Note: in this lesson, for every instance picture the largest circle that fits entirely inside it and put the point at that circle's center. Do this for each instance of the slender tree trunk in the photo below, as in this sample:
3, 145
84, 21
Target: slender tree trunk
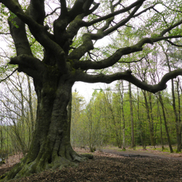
178, 137
151, 118
116, 129
179, 118
151, 129
140, 121
32, 121
121, 91
165, 122
178, 127
132, 122
161, 133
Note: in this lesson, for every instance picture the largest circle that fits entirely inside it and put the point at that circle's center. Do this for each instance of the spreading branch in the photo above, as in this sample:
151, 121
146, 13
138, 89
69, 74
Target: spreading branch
115, 57
30, 65
64, 10
127, 76
36, 11
126, 9
66, 26
172, 43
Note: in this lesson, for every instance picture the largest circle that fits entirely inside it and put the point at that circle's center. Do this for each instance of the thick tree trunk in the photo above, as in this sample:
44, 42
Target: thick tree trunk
51, 146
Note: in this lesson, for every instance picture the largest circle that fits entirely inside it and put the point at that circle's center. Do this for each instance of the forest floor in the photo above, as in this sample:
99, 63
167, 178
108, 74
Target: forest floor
113, 165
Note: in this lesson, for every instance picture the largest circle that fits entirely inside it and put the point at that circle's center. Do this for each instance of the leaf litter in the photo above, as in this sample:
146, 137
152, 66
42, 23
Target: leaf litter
110, 167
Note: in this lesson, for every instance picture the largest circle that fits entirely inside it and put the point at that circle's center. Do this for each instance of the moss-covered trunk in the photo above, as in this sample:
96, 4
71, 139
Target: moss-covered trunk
51, 146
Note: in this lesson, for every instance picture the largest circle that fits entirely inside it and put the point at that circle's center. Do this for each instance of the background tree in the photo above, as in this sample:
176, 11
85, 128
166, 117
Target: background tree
78, 104
67, 57
18, 111
174, 104
121, 93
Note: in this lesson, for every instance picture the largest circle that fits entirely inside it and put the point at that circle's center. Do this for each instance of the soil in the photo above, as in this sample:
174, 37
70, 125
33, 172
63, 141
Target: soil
114, 166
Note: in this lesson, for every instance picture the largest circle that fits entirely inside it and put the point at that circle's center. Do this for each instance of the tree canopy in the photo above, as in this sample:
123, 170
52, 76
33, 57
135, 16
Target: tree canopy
69, 32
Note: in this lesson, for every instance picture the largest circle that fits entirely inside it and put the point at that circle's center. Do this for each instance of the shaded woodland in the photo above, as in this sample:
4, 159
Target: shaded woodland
48, 46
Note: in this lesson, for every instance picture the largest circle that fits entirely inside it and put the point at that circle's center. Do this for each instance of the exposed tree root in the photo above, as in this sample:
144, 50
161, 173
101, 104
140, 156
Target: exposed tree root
26, 168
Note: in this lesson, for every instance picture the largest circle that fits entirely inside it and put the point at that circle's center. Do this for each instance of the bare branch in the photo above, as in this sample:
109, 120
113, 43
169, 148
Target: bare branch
113, 14
76, 9
36, 11
124, 21
87, 38
87, 5
9, 75
145, 10
39, 31
93, 9
170, 28
85, 65
28, 64
52, 12
64, 10
127, 76
175, 10
2, 33
174, 44
134, 61
5, 53
19, 36
81, 50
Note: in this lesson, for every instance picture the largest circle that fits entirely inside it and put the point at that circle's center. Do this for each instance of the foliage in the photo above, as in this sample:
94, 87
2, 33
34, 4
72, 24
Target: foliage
97, 127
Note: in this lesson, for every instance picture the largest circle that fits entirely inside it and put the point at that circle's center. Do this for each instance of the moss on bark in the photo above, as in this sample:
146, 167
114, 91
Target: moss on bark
46, 162
50, 147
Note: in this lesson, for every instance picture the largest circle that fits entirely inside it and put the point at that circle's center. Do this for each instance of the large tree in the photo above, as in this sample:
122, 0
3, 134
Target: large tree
67, 57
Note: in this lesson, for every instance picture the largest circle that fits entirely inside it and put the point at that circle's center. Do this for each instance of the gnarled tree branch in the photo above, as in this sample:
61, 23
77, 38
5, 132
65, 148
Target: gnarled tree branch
127, 75
113, 14
36, 11
114, 58
30, 65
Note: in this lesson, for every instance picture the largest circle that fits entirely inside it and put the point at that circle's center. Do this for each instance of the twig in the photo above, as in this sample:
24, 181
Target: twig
8, 75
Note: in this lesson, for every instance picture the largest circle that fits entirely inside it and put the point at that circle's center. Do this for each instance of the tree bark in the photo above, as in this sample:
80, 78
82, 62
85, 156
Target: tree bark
50, 147
53, 76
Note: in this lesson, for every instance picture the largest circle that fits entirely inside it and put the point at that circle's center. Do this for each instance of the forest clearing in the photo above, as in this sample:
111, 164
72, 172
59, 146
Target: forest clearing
113, 166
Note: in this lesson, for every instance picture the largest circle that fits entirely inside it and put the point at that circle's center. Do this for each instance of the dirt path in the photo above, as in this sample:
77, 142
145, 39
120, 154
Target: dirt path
142, 154
112, 165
